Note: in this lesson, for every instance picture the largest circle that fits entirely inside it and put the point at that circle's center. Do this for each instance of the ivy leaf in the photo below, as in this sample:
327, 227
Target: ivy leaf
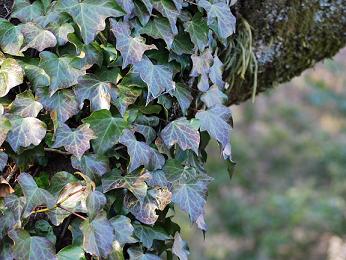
59, 180
95, 202
128, 91
221, 13
168, 10
180, 247
216, 72
147, 234
198, 30
25, 131
63, 103
189, 188
140, 153
27, 12
107, 128
145, 211
61, 31
11, 75
36, 75
99, 93
136, 253
159, 28
213, 97
148, 132
91, 164
37, 38
123, 230
34, 195
214, 122
131, 49
31, 247
182, 44
181, 132
3, 160
90, 15
127, 6
158, 178
132, 182
157, 77
98, 235
61, 71
71, 252
74, 141
25, 105
183, 97
5, 127
11, 38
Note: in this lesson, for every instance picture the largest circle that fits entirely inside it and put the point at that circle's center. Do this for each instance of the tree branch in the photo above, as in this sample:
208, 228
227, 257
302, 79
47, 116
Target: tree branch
289, 36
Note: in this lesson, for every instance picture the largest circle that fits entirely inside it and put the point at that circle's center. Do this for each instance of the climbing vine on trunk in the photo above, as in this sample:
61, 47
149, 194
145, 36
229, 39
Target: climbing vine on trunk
106, 108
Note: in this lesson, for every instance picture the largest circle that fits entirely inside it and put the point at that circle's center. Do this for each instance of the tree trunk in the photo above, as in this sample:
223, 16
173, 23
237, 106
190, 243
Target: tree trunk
289, 37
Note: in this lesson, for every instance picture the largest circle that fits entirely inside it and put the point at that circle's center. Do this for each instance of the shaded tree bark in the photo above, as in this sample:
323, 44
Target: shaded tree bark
289, 37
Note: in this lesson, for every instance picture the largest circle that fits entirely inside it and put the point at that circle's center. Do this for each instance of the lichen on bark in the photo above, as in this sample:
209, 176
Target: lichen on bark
289, 36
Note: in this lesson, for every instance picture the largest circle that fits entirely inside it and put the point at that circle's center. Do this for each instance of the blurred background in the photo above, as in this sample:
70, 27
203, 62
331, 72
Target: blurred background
286, 199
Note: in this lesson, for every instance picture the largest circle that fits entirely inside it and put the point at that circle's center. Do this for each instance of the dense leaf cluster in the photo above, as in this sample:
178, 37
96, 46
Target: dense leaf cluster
105, 112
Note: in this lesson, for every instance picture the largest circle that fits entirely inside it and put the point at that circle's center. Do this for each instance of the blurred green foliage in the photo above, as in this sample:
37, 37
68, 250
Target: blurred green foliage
287, 197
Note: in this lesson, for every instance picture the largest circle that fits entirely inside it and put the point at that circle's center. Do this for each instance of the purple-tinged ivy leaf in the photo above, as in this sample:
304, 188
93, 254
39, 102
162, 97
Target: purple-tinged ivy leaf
123, 230
99, 93
98, 235
95, 201
31, 247
3, 160
140, 153
213, 97
135, 183
145, 211
183, 96
76, 141
63, 103
25, 131
181, 132
180, 247
25, 105
131, 48
159, 78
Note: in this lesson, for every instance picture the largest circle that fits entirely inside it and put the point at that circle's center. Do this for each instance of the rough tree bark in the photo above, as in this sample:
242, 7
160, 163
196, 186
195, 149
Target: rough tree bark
289, 37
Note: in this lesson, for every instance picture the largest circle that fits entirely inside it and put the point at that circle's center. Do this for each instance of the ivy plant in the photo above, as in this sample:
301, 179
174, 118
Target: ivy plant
106, 108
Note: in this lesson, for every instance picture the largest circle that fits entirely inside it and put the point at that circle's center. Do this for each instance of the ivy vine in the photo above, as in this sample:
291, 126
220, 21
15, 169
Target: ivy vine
106, 108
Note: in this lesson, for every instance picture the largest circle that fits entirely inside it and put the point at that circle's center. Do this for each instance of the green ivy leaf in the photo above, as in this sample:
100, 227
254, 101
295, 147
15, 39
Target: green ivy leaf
168, 10
90, 15
216, 72
26, 11
214, 97
5, 127
25, 131
71, 252
198, 30
95, 202
159, 28
25, 105
3, 160
98, 235
157, 77
123, 230
59, 180
183, 96
36, 75
74, 141
11, 38
35, 196
107, 128
147, 234
136, 253
140, 153
61, 32
181, 132
31, 247
61, 71
132, 182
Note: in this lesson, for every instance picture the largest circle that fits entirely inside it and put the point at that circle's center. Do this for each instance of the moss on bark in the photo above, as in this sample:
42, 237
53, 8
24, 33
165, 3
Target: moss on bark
289, 37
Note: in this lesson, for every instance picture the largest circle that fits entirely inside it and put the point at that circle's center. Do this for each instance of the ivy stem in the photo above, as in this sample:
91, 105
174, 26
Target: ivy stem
74, 213
52, 150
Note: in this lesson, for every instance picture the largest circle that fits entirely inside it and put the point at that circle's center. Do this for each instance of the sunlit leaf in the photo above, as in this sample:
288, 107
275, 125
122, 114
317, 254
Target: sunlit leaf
25, 105
11, 75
